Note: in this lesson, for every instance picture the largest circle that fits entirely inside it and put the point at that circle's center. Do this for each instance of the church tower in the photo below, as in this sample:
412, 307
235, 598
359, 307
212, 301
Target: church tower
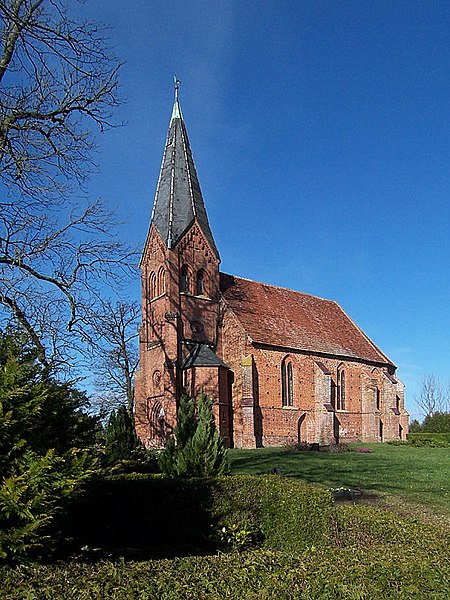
180, 299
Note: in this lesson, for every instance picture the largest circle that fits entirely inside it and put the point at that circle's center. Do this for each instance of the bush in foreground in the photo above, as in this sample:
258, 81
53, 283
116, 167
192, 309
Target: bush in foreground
158, 516
380, 556
44, 435
121, 441
196, 449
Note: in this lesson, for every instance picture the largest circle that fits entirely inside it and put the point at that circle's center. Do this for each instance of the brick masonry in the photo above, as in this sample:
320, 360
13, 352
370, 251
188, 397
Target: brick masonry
248, 407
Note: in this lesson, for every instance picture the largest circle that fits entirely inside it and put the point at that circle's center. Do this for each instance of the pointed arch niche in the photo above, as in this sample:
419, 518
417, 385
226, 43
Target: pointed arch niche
200, 283
376, 390
161, 283
157, 422
152, 285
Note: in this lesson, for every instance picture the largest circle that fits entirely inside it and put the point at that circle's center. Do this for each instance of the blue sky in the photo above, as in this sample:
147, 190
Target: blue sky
321, 135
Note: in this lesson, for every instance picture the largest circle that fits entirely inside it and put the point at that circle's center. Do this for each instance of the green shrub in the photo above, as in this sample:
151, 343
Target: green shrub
121, 441
196, 449
44, 446
430, 440
415, 568
438, 422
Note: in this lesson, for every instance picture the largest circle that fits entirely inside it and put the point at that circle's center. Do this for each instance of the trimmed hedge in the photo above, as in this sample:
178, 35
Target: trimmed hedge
429, 439
284, 514
159, 516
378, 556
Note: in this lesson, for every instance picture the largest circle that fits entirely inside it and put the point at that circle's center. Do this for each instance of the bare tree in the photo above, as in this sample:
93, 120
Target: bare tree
57, 79
432, 396
116, 354
58, 85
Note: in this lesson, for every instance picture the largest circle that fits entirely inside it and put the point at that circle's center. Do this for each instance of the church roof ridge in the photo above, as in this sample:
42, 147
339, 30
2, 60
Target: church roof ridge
280, 287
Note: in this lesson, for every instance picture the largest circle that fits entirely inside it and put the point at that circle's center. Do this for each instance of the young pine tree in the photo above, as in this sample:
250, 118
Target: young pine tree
121, 440
196, 449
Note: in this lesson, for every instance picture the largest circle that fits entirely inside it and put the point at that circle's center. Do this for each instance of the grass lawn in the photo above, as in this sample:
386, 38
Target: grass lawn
413, 481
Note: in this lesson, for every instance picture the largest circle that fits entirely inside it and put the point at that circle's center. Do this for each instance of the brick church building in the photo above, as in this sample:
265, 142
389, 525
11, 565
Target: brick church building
282, 366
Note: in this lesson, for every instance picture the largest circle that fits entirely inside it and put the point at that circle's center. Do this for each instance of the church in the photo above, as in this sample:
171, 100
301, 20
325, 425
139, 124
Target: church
283, 367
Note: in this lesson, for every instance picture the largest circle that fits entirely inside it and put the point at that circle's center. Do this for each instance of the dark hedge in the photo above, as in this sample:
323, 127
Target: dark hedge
157, 516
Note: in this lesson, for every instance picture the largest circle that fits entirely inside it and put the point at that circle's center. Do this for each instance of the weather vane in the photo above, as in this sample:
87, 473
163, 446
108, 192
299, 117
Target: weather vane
177, 84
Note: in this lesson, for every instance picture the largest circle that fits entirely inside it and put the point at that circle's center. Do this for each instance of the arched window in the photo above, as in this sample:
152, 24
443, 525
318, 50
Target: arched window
161, 281
152, 285
287, 383
184, 279
340, 396
377, 398
200, 284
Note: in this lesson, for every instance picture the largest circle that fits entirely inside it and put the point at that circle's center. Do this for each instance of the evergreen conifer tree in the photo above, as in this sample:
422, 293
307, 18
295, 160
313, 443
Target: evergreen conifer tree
121, 440
196, 448
45, 440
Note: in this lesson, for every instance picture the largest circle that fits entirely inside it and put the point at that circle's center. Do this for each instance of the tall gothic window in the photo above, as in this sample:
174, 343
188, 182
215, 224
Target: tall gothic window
340, 396
152, 285
184, 279
200, 285
287, 383
161, 281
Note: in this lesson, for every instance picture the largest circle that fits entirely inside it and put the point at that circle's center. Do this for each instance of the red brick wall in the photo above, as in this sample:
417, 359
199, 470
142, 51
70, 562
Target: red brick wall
255, 415
309, 416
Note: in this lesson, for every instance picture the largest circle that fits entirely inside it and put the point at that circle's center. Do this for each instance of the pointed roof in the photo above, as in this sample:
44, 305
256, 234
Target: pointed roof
178, 199
280, 317
202, 355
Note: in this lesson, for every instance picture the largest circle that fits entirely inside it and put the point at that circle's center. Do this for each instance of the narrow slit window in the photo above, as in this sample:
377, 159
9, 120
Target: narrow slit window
287, 383
340, 404
184, 279
200, 288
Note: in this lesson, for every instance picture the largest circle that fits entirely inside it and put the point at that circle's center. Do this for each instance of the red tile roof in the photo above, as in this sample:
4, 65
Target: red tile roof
281, 317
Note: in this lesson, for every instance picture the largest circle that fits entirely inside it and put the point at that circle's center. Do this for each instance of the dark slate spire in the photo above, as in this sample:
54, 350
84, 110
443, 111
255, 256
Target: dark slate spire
178, 199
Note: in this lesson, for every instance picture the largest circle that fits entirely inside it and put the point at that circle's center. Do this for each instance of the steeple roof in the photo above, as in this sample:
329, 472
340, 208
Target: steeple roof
178, 199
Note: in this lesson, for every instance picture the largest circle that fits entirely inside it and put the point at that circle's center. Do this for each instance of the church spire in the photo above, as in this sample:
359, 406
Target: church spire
178, 200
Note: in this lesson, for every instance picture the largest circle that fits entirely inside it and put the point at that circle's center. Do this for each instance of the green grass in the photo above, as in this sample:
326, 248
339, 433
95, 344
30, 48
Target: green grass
400, 476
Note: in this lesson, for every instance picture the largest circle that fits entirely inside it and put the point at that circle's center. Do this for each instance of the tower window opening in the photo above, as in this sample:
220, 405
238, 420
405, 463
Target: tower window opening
161, 281
152, 285
200, 287
184, 279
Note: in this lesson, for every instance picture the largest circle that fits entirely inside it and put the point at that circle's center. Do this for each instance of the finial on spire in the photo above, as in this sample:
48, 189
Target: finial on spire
176, 112
177, 84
